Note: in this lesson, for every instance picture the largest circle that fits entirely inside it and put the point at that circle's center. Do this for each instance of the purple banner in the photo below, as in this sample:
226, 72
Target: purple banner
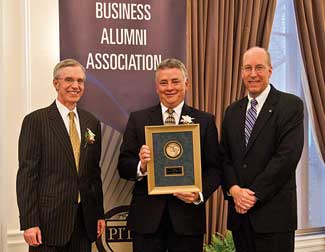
120, 43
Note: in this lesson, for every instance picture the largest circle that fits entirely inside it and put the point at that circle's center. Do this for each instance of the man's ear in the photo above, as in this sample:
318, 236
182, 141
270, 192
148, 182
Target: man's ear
56, 84
270, 71
187, 83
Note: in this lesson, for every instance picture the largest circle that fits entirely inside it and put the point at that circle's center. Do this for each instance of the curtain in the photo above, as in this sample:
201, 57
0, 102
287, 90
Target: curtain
219, 32
310, 17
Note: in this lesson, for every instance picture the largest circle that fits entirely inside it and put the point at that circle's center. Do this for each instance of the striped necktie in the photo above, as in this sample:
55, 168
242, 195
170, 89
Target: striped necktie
250, 120
170, 120
74, 138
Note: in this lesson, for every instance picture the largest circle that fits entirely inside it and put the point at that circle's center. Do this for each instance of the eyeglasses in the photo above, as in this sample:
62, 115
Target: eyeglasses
72, 80
249, 69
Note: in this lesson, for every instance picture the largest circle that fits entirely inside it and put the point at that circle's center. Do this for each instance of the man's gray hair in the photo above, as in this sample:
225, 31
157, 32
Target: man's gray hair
172, 63
67, 63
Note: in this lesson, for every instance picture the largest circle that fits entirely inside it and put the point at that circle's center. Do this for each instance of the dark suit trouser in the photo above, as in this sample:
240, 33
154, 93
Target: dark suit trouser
246, 240
165, 239
78, 242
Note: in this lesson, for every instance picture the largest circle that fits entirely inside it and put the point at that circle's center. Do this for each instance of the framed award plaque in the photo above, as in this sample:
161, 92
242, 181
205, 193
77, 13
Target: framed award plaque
175, 164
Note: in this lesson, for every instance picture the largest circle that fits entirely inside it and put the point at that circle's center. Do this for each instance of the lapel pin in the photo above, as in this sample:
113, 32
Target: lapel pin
270, 110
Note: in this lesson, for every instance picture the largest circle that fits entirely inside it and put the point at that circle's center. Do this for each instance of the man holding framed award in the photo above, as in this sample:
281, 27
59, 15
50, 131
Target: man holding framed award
175, 221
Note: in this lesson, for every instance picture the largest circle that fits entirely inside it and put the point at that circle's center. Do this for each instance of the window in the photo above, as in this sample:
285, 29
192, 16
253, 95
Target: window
287, 76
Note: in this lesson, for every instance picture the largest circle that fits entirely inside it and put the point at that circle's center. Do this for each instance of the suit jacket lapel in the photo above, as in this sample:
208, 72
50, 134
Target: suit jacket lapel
155, 116
264, 115
57, 125
83, 120
239, 120
83, 152
186, 110
241, 116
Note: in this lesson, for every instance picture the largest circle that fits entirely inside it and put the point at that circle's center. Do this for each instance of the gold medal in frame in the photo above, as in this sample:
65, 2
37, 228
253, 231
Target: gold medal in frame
175, 164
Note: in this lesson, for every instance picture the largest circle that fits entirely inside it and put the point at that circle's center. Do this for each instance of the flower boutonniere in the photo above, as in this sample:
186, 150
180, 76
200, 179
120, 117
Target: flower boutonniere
89, 137
186, 119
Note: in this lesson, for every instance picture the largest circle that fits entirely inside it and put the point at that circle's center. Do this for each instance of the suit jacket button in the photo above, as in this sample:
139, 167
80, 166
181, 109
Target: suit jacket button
245, 166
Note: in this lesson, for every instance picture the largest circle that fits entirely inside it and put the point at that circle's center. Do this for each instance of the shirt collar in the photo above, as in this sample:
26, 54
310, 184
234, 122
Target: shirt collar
261, 98
64, 111
177, 109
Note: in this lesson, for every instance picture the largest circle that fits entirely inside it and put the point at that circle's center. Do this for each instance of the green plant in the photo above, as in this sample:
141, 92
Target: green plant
221, 243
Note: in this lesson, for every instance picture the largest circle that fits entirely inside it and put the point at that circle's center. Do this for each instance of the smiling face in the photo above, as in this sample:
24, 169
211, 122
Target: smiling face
256, 71
171, 86
69, 83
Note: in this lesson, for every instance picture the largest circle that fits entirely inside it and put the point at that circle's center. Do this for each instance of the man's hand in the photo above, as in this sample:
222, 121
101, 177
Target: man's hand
100, 227
187, 197
33, 236
244, 198
240, 210
144, 155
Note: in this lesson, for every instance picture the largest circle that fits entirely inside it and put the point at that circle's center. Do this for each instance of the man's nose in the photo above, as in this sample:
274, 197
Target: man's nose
170, 85
254, 72
75, 84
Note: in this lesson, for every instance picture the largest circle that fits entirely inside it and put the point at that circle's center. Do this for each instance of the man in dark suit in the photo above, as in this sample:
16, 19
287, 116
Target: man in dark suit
262, 140
168, 222
59, 188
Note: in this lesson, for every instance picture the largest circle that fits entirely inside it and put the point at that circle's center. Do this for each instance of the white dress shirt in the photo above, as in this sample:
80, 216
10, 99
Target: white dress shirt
261, 98
64, 112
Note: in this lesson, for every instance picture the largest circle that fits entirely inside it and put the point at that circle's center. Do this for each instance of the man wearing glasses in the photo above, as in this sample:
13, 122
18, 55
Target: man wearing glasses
261, 144
59, 187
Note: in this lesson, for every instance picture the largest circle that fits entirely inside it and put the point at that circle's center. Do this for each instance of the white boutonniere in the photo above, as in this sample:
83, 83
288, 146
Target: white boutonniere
89, 137
186, 119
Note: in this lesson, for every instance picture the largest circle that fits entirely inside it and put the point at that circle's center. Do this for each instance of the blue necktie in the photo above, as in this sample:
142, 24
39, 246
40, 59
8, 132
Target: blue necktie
250, 120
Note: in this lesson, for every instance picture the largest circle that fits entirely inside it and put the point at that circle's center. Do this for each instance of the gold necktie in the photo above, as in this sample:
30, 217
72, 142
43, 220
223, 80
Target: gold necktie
74, 138
170, 120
